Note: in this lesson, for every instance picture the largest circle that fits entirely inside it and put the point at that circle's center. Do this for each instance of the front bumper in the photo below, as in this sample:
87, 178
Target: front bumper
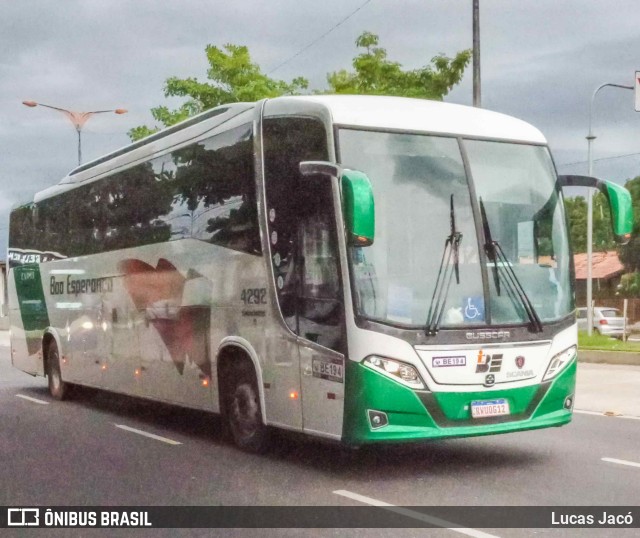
421, 415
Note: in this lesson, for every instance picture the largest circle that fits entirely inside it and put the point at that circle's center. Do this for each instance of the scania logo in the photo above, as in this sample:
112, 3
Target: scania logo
489, 380
520, 361
487, 335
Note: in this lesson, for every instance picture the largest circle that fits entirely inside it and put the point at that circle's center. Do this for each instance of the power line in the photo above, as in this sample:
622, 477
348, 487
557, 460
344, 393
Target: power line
601, 159
318, 38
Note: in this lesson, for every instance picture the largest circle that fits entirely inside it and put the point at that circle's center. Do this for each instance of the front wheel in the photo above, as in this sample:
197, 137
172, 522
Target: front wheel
244, 413
58, 388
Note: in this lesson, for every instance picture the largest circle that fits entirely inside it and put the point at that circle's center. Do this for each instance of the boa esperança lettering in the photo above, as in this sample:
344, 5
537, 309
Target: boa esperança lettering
77, 286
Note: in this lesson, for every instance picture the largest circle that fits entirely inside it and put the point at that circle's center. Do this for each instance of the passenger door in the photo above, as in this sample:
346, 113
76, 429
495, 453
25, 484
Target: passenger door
320, 317
309, 353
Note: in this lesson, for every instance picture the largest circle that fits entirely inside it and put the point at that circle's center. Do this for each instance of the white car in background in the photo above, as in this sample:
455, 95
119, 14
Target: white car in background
606, 321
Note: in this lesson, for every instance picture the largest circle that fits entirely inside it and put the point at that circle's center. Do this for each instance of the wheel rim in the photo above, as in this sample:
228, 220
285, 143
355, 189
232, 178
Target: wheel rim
55, 381
54, 372
245, 411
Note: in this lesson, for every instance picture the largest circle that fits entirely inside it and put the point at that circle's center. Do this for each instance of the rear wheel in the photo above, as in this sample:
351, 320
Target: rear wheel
243, 410
58, 388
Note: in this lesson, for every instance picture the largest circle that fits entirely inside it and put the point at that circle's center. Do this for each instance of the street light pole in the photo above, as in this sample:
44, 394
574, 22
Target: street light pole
590, 138
77, 118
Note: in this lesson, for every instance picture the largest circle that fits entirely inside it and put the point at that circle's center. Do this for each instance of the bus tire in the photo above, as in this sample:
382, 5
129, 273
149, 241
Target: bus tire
58, 388
243, 411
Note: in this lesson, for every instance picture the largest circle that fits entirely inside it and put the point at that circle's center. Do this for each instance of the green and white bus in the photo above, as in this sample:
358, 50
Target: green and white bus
362, 269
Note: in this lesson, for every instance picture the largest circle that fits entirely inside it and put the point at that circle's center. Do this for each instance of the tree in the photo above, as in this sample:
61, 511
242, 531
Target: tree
375, 74
234, 77
576, 209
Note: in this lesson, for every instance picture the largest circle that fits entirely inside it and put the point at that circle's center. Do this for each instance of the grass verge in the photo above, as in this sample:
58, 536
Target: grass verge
605, 343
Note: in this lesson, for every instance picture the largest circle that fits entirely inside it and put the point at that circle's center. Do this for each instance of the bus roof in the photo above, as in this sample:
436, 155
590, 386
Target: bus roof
365, 111
424, 115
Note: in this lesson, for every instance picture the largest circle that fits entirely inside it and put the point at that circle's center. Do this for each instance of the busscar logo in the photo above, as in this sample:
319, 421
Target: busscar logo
487, 335
23, 517
488, 363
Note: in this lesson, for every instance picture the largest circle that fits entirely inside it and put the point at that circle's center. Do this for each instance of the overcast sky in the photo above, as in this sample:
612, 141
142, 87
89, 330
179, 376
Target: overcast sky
541, 61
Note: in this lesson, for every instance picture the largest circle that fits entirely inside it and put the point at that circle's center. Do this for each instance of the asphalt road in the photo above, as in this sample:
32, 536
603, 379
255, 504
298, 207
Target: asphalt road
78, 453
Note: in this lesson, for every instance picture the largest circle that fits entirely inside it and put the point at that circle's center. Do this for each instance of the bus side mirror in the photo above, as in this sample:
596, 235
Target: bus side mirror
357, 199
358, 207
619, 200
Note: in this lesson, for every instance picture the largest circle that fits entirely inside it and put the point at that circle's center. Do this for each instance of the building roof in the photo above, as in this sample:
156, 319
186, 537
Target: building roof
604, 265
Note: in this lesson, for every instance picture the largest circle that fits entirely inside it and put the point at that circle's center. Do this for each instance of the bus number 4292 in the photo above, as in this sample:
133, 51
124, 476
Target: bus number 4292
254, 296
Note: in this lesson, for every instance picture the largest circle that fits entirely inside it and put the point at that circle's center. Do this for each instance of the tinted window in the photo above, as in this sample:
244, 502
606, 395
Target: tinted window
287, 142
302, 231
205, 191
214, 186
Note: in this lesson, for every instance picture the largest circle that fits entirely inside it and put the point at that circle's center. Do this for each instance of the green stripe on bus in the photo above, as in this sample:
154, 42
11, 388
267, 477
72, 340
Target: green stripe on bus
32, 304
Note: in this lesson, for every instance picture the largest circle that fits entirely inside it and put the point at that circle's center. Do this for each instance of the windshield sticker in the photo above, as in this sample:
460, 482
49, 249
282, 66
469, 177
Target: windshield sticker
473, 309
439, 362
399, 305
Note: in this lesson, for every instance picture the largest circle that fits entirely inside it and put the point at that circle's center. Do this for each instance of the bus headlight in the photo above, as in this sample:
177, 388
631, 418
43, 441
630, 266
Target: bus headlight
398, 370
559, 361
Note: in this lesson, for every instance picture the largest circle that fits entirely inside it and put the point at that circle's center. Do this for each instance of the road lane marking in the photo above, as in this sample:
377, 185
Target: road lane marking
34, 400
147, 434
413, 514
621, 462
603, 414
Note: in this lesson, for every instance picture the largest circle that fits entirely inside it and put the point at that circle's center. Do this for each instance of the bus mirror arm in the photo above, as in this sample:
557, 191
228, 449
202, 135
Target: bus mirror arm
581, 181
311, 168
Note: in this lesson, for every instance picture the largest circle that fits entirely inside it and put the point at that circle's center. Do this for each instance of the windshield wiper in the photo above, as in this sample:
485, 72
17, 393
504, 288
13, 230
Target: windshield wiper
490, 246
450, 264
514, 287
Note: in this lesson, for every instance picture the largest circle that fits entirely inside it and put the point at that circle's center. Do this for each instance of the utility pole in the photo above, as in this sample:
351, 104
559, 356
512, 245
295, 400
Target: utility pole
590, 138
477, 101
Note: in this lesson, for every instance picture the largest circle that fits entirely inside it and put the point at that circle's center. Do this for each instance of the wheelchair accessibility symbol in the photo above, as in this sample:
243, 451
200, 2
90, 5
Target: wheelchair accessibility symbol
473, 309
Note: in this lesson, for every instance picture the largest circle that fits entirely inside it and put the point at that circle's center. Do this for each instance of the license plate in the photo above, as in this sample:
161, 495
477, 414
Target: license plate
490, 408
330, 369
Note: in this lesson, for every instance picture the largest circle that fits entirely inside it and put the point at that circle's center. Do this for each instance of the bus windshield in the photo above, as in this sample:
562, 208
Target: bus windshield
421, 185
